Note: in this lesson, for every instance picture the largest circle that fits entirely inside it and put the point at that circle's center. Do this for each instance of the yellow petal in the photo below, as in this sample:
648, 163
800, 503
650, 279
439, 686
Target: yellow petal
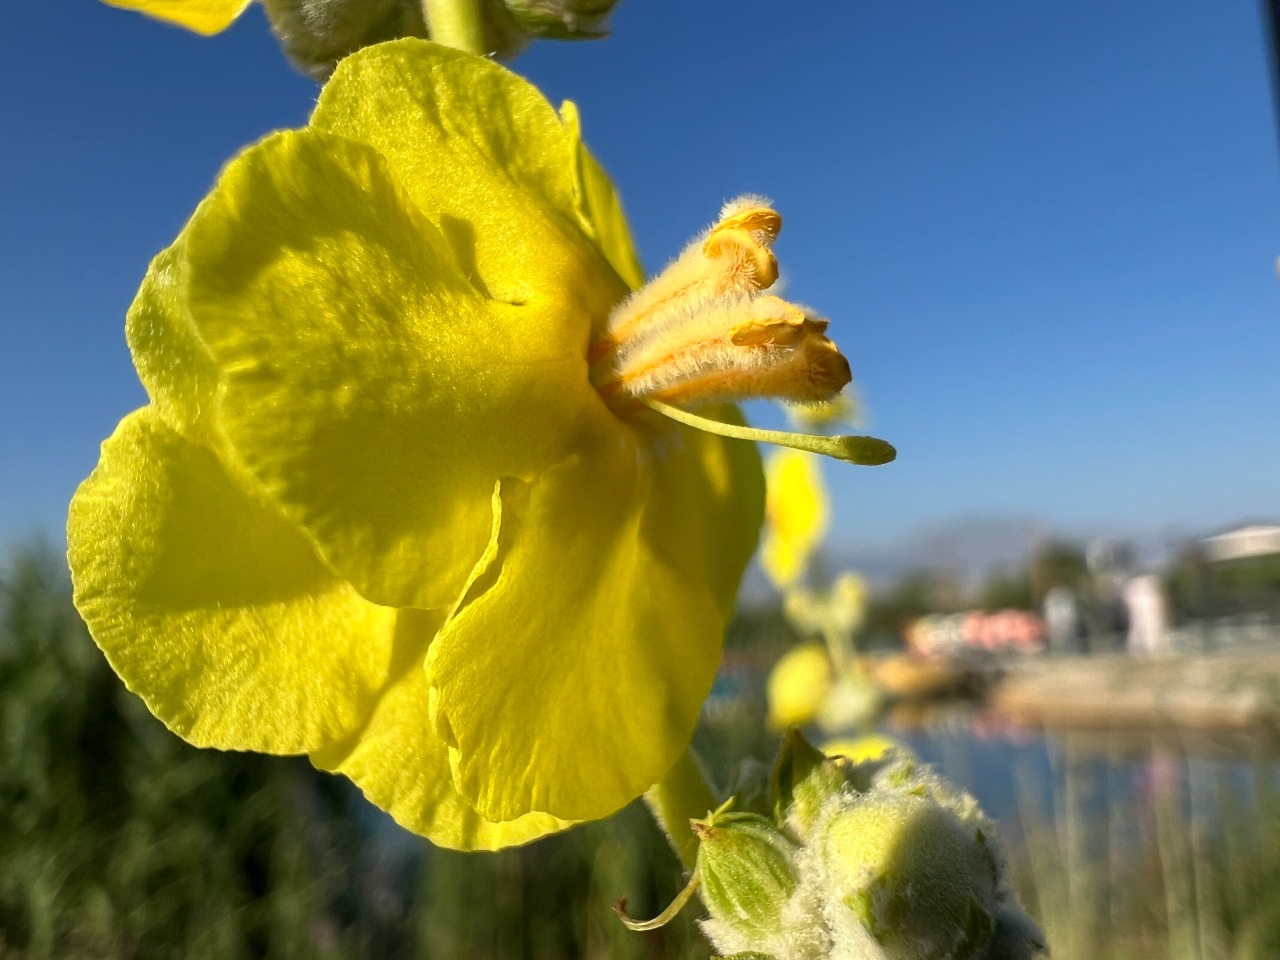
708, 504
174, 366
487, 158
202, 16
402, 767
599, 206
571, 677
371, 390
869, 746
211, 607
796, 514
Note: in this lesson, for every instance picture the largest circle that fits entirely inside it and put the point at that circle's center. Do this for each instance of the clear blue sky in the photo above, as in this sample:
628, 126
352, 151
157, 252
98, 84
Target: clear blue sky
1046, 233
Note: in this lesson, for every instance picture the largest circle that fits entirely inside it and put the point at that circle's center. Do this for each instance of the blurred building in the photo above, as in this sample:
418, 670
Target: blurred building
1239, 543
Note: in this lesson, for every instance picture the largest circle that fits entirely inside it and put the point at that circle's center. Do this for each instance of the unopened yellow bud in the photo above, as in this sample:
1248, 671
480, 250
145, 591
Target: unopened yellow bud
797, 685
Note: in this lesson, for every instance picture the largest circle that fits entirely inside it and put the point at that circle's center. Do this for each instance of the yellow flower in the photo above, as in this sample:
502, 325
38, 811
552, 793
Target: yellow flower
797, 514
202, 16
399, 501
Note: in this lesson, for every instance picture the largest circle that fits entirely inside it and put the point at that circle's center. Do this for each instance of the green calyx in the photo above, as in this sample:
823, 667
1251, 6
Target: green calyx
562, 19
747, 871
316, 34
804, 779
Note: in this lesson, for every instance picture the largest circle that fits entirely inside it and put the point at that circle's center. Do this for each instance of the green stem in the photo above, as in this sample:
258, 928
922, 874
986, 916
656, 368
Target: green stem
836, 650
456, 23
682, 795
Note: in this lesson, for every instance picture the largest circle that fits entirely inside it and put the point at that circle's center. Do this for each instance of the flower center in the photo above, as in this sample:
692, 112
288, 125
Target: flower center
703, 331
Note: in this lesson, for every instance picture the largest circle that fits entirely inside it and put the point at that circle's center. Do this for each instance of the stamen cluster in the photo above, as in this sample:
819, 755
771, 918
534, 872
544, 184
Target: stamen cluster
703, 331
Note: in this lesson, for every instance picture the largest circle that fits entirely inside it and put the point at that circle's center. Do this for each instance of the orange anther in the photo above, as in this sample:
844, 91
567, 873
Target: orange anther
748, 255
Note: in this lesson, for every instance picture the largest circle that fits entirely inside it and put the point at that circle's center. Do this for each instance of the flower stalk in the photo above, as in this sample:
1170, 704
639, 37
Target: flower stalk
456, 23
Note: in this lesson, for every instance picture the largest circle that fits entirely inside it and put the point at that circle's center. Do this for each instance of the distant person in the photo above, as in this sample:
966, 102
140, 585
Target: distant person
1062, 620
1145, 604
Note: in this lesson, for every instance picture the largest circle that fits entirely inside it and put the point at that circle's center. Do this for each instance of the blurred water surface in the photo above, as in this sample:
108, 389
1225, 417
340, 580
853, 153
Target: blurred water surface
1158, 842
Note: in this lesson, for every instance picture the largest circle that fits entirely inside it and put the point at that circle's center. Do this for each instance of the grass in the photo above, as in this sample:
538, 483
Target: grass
117, 839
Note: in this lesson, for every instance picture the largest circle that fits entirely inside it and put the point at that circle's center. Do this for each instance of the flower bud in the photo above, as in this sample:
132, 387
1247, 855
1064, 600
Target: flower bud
850, 704
562, 19
316, 34
747, 875
878, 860
804, 779
797, 685
906, 869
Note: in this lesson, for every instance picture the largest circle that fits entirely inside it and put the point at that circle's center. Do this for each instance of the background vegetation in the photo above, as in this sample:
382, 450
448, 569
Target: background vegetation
117, 840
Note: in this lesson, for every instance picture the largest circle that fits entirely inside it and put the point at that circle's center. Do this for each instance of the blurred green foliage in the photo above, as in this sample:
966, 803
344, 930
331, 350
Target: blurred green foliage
117, 839
1243, 586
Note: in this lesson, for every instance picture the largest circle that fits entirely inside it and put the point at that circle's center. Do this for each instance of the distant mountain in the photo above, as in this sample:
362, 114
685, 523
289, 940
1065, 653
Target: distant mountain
969, 548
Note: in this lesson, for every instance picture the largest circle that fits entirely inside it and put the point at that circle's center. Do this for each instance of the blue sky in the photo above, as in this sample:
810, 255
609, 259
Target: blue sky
1046, 233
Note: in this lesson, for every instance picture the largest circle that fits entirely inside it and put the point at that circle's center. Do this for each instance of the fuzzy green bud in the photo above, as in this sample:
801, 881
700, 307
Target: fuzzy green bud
316, 34
562, 19
923, 883
805, 780
878, 860
747, 873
